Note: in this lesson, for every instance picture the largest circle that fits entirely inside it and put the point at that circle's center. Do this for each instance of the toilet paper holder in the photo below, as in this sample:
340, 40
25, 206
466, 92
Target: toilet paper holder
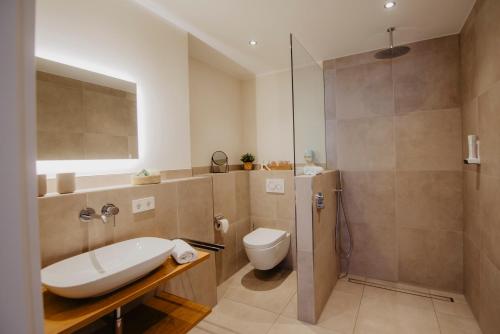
217, 220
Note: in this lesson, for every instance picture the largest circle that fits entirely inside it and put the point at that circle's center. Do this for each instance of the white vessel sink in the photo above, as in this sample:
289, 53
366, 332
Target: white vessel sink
105, 269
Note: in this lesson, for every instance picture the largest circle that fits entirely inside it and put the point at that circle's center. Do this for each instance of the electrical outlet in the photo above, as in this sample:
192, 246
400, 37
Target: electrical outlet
276, 186
143, 204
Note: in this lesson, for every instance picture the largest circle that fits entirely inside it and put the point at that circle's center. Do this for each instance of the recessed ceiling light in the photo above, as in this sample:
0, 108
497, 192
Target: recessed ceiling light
389, 4
252, 42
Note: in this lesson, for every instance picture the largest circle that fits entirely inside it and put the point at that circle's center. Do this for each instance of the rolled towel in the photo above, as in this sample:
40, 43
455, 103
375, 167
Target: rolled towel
183, 252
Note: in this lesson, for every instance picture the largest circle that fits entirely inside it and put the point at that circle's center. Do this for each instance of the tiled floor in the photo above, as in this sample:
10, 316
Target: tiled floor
257, 303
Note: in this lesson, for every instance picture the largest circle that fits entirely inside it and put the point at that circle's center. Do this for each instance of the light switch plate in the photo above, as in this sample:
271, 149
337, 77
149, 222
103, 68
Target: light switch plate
276, 186
143, 204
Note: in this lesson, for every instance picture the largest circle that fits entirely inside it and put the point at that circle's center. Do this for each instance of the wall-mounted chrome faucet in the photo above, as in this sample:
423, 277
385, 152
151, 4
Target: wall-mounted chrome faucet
319, 201
109, 210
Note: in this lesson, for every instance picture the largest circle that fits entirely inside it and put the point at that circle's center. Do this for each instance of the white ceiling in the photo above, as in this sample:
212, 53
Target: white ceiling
327, 28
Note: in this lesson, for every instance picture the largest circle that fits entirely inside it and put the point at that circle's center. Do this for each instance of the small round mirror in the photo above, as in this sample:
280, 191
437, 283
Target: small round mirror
219, 158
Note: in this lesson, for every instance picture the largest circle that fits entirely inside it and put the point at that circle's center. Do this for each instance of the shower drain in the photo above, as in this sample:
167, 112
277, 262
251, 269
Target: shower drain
402, 290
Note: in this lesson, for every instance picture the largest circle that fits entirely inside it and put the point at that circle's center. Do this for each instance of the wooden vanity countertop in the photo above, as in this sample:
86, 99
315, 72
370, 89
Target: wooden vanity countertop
64, 315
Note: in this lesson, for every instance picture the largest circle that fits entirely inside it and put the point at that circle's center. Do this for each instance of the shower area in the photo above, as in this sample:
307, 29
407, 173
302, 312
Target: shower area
386, 128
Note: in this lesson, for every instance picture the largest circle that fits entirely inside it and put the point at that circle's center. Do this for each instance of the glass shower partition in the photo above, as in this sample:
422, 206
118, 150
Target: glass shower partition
308, 107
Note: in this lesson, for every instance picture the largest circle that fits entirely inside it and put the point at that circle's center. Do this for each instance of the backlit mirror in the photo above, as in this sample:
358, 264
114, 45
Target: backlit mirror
84, 115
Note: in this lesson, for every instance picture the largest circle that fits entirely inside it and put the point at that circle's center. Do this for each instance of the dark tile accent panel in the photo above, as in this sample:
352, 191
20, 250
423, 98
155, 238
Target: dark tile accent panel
430, 200
431, 258
366, 144
429, 140
364, 91
489, 318
427, 78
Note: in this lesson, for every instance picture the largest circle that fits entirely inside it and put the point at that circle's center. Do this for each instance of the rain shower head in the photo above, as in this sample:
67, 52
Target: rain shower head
392, 51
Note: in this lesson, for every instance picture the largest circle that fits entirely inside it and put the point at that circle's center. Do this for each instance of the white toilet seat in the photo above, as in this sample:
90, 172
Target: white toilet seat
263, 238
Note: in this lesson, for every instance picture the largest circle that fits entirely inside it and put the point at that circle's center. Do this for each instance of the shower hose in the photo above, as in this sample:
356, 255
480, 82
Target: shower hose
341, 223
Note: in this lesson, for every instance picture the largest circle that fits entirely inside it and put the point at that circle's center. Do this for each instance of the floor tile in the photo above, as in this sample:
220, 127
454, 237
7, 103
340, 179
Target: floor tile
198, 330
221, 289
230, 317
456, 309
387, 313
266, 302
290, 310
344, 285
450, 324
286, 325
340, 312
270, 291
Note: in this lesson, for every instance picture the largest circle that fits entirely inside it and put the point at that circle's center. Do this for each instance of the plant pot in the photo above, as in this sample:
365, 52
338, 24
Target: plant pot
248, 165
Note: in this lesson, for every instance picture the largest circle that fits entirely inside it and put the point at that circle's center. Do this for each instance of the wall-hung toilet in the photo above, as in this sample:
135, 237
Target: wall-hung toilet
266, 247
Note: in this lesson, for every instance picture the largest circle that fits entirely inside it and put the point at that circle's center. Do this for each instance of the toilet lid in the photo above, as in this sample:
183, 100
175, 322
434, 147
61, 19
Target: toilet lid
263, 238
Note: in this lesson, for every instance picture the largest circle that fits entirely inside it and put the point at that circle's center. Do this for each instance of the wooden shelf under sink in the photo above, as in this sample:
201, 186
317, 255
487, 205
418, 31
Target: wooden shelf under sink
64, 315
163, 313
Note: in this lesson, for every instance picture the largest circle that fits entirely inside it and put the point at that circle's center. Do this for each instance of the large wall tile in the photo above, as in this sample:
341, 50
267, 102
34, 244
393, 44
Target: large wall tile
429, 200
262, 204
427, 78
325, 273
61, 233
269, 207
429, 140
195, 211
123, 224
243, 227
472, 217
365, 91
366, 144
489, 125
242, 180
226, 260
224, 191
368, 197
472, 269
490, 297
468, 62
431, 258
487, 45
489, 215
374, 252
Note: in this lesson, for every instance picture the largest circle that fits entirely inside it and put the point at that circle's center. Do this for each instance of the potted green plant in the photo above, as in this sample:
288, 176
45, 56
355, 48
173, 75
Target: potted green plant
247, 160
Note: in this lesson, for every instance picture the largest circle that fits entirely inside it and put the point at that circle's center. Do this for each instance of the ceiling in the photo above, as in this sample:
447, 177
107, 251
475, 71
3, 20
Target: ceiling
327, 28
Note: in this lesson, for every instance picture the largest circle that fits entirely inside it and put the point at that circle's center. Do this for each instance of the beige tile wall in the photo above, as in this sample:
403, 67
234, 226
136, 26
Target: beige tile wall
274, 210
184, 208
231, 193
317, 260
79, 120
480, 70
394, 130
